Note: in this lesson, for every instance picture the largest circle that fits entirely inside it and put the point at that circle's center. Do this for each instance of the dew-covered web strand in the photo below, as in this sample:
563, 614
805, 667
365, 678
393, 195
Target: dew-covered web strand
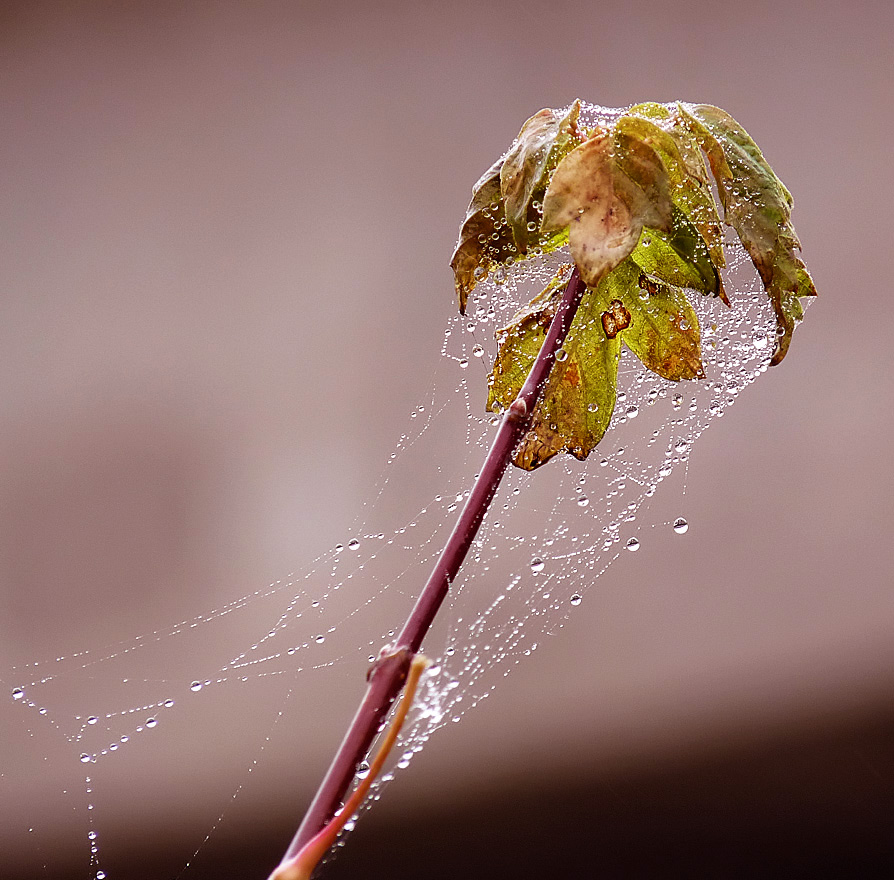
548, 538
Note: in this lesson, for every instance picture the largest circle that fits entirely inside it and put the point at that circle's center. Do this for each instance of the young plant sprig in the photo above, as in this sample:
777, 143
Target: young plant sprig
631, 199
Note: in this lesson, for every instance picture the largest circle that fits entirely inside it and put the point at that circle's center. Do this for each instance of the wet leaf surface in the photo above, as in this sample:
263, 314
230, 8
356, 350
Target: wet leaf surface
634, 202
758, 206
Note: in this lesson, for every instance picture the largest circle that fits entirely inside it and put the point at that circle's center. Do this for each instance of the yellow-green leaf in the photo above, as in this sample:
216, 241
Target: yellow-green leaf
663, 329
680, 257
542, 142
758, 206
577, 401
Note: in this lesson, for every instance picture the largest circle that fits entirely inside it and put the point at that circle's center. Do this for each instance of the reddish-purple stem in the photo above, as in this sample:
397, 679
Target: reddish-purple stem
390, 671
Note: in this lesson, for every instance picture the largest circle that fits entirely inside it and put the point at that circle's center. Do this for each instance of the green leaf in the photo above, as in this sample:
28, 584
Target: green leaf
653, 319
680, 257
758, 206
543, 141
690, 191
663, 329
605, 192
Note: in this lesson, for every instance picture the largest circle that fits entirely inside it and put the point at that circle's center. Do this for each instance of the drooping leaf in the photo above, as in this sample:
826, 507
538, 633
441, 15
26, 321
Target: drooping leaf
663, 130
605, 200
485, 239
758, 206
546, 138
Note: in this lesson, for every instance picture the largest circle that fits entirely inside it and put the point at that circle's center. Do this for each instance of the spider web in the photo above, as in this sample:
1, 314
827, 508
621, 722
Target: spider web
222, 698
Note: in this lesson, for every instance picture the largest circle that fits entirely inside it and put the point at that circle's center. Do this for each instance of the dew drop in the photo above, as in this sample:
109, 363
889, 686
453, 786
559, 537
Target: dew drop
339, 548
632, 412
759, 339
196, 686
363, 770
85, 758
463, 362
151, 722
633, 545
592, 407
320, 639
100, 875
91, 835
681, 526
92, 719
576, 599
17, 693
583, 501
353, 544
561, 355
677, 401
478, 350
537, 564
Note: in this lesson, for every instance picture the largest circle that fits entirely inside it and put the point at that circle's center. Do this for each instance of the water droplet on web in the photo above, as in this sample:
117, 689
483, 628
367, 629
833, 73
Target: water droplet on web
463, 362
151, 722
100, 875
320, 639
537, 564
91, 835
478, 350
681, 526
168, 704
677, 401
759, 339
353, 544
665, 470
576, 599
92, 719
632, 412
196, 686
479, 272
633, 545
85, 758
17, 693
583, 501
681, 446
363, 770
561, 355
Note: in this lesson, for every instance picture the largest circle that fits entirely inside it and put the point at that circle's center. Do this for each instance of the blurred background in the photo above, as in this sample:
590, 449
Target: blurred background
225, 237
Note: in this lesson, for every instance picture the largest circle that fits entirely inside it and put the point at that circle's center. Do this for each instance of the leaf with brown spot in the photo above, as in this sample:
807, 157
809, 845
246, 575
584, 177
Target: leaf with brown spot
663, 330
